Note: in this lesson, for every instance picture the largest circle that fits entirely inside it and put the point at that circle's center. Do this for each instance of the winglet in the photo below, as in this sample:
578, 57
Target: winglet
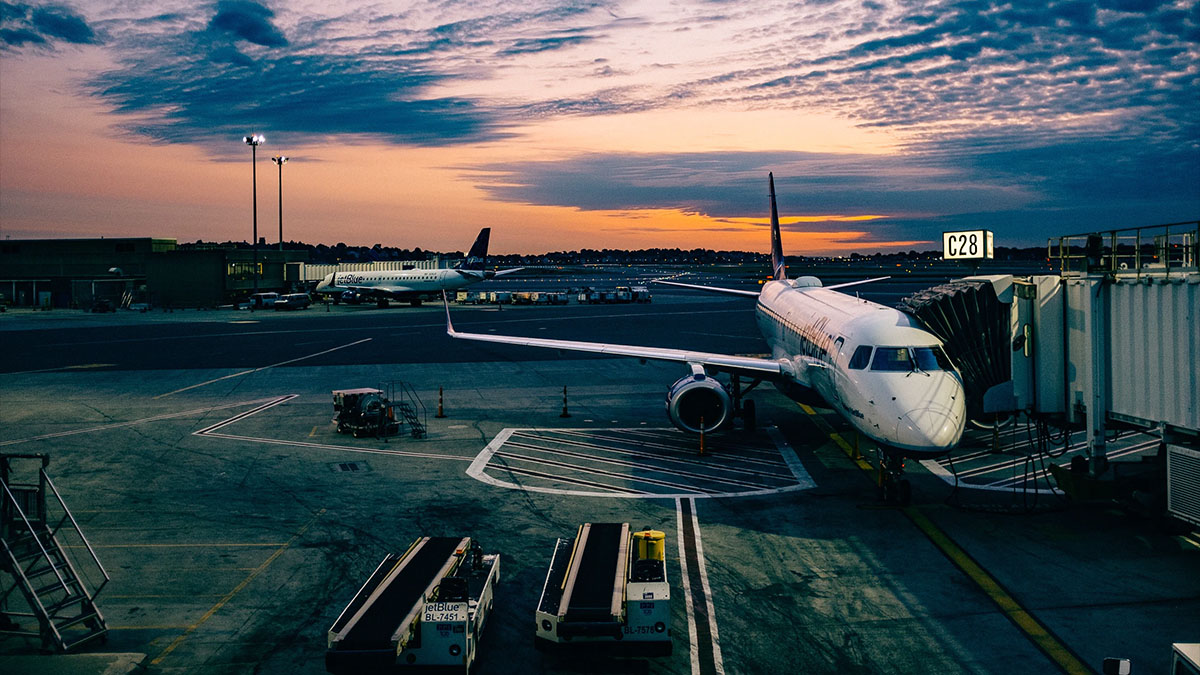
449, 326
778, 270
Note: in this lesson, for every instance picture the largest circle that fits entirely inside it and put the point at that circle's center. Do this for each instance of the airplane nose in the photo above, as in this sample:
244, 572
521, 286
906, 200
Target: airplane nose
325, 282
930, 429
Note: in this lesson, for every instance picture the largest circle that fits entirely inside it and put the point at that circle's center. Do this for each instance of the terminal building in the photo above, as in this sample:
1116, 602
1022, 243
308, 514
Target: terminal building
80, 273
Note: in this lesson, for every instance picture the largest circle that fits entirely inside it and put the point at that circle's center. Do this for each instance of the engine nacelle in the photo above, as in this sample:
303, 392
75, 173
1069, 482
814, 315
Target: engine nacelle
697, 397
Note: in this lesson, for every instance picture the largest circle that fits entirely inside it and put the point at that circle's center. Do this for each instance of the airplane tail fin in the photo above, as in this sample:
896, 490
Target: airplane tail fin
477, 256
778, 269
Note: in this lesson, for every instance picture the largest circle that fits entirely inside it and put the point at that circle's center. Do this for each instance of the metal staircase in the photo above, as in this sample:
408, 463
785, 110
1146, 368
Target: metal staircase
34, 561
405, 401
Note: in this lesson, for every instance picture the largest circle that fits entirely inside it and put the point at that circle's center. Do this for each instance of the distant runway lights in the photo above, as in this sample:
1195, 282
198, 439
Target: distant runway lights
565, 414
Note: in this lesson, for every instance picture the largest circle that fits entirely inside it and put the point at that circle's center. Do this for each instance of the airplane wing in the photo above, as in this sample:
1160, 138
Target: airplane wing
379, 291
855, 283
488, 274
714, 289
758, 367
754, 294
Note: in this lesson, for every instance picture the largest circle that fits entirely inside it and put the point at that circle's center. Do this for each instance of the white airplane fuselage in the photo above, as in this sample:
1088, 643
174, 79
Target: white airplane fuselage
415, 282
816, 331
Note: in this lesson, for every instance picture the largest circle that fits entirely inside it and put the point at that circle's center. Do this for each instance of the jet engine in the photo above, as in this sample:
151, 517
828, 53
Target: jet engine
699, 397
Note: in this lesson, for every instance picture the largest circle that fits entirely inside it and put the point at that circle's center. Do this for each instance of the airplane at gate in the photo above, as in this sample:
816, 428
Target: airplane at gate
414, 285
876, 366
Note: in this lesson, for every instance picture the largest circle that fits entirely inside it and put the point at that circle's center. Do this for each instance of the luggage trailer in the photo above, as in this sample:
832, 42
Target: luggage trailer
607, 588
425, 610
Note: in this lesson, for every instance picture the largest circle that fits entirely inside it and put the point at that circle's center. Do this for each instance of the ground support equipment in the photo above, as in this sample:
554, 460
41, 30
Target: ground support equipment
607, 589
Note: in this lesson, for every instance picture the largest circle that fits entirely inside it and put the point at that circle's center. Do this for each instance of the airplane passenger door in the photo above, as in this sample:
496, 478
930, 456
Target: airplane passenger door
835, 372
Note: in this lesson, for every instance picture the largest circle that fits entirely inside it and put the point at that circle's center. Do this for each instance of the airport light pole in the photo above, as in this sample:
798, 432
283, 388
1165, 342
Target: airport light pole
254, 141
280, 161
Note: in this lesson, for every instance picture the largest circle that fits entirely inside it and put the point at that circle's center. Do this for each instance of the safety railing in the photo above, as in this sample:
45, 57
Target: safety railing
1161, 251
67, 515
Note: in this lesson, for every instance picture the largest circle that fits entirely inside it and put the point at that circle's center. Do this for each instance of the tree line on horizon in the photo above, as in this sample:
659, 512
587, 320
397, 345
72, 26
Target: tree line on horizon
343, 253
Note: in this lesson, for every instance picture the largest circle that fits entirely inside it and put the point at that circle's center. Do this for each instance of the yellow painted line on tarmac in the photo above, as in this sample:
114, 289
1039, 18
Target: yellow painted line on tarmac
1033, 629
314, 431
238, 589
857, 458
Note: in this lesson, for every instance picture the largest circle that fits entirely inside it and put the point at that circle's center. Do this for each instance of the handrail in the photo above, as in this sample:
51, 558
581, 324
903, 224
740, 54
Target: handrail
36, 600
78, 530
46, 554
1174, 249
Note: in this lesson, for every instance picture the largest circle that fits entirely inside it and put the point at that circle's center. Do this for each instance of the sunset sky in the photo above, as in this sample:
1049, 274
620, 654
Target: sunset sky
623, 124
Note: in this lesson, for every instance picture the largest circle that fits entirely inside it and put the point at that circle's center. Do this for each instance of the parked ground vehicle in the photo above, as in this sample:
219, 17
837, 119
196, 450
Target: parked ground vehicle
263, 300
293, 301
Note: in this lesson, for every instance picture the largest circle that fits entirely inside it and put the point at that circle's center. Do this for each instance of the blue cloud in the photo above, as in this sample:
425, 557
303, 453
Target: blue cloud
61, 23
247, 20
22, 24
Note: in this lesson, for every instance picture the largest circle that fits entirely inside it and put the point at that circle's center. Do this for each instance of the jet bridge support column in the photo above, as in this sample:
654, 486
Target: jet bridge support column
1088, 357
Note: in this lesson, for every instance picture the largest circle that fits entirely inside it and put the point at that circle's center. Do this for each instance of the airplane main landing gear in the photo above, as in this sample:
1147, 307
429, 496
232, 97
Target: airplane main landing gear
744, 409
382, 303
893, 488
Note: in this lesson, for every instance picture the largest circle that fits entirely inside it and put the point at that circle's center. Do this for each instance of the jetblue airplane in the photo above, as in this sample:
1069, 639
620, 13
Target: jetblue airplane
876, 366
414, 285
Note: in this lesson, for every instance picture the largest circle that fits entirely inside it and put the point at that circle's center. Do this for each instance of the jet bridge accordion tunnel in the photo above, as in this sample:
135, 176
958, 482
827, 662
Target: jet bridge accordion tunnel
968, 316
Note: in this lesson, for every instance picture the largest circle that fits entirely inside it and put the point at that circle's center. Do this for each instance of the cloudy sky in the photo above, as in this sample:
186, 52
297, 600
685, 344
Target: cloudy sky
621, 123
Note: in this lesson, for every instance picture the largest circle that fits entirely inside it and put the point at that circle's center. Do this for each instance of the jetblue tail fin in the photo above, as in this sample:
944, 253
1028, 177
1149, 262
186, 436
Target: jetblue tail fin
477, 256
778, 270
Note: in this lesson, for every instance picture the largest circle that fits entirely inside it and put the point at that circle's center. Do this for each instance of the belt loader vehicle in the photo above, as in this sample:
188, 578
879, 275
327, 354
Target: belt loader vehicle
420, 611
607, 588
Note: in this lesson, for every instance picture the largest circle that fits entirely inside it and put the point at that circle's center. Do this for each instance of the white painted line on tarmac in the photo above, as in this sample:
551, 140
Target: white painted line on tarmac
340, 448
144, 420
705, 658
1010, 484
478, 471
693, 648
793, 460
273, 365
660, 458
211, 432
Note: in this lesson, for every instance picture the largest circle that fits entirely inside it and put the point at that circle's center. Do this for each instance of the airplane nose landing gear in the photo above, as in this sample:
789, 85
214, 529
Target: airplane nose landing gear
893, 488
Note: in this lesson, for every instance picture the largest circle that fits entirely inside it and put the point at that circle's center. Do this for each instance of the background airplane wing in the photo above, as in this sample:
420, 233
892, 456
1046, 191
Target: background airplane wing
758, 367
855, 283
714, 289
378, 291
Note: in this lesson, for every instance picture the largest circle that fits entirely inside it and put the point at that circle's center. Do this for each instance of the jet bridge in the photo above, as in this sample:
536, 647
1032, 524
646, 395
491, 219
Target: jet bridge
1109, 342
972, 317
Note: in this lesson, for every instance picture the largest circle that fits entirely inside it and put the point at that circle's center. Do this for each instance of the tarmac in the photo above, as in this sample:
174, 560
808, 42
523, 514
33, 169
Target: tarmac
197, 453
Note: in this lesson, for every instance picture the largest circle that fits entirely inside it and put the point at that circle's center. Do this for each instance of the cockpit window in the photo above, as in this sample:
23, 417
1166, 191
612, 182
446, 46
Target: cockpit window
893, 359
932, 358
862, 357
904, 359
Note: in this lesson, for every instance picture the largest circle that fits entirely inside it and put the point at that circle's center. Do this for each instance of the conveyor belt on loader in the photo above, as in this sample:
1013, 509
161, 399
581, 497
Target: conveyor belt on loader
970, 320
399, 593
595, 588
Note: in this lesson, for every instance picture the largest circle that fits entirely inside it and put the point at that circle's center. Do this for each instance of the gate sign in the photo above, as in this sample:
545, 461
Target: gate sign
967, 245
